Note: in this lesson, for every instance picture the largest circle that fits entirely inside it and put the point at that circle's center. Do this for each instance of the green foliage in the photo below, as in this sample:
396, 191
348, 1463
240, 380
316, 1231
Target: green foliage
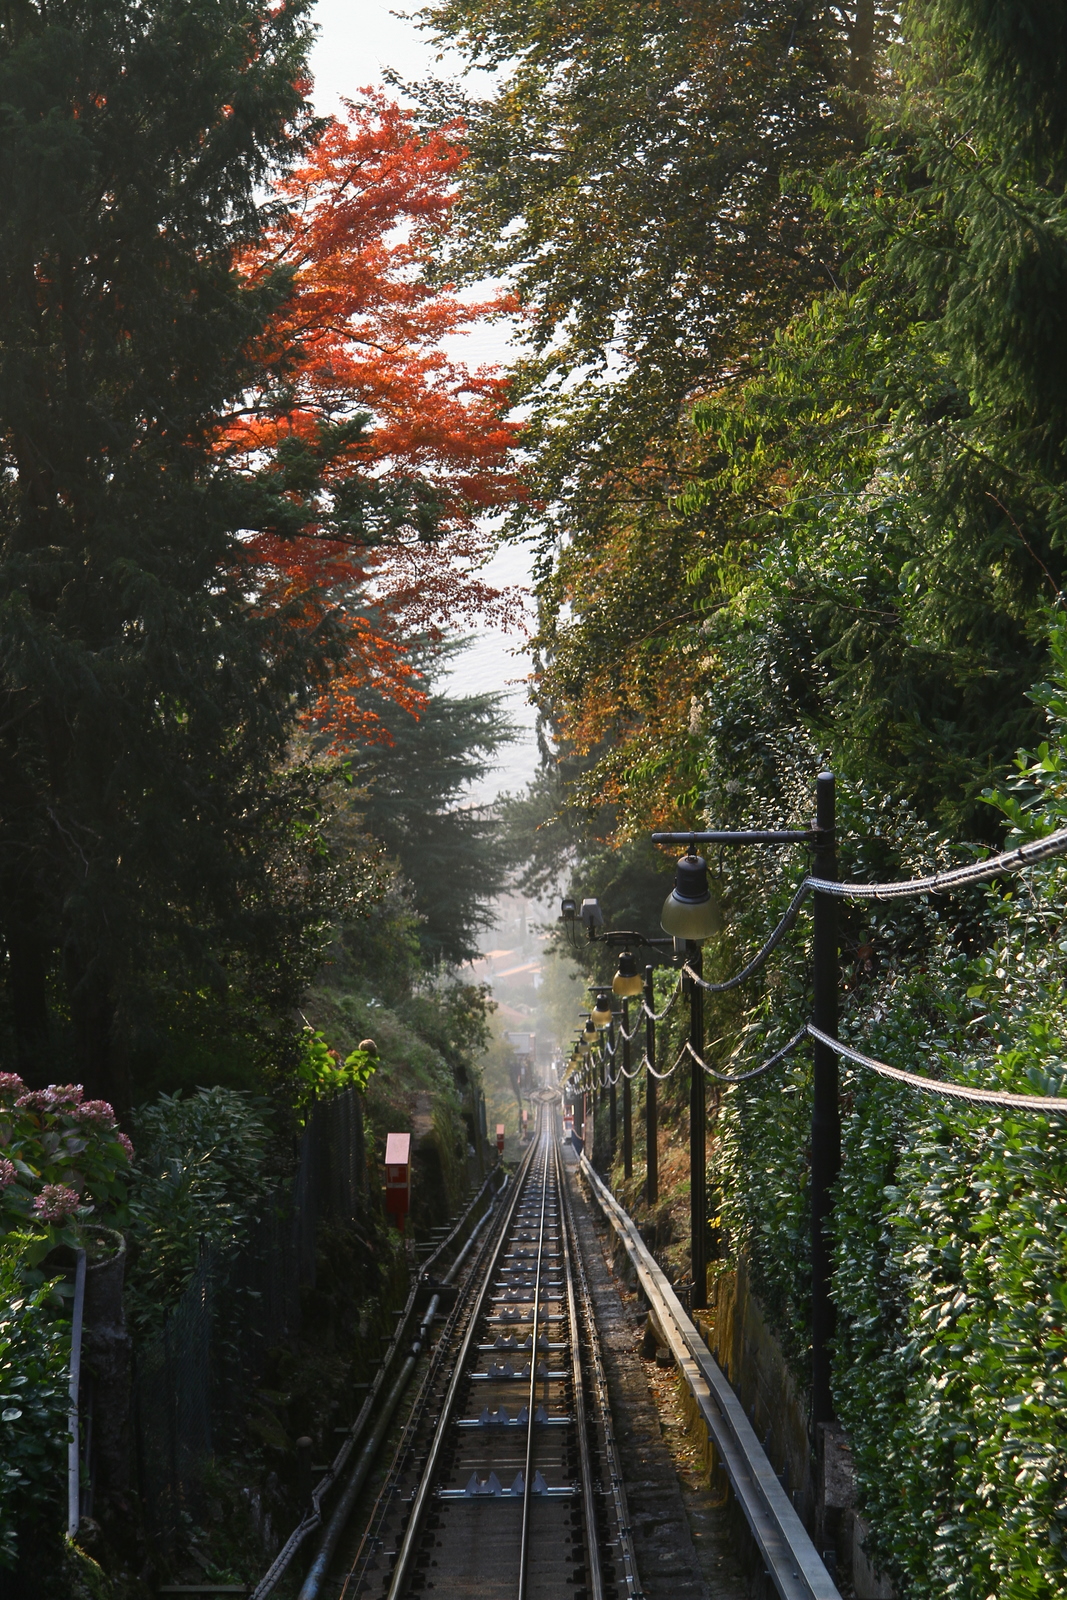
409, 793
321, 1070
34, 1356
951, 1255
626, 176
202, 1175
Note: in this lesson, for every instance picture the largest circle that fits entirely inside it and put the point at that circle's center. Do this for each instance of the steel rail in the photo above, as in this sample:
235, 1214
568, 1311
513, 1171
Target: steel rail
357, 1478
791, 1559
592, 1551
406, 1552
313, 1517
527, 1482
600, 1386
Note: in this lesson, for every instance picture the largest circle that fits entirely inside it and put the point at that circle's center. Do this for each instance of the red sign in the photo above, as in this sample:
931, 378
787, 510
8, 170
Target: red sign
398, 1177
500, 1138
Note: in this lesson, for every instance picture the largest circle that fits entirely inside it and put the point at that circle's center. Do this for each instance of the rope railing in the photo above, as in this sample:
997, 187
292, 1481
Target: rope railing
1024, 855
658, 1016
621, 1032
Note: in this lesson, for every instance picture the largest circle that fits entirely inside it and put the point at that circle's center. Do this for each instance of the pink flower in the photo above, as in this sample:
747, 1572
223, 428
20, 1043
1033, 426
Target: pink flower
35, 1100
96, 1111
11, 1084
66, 1094
7, 1172
56, 1203
127, 1145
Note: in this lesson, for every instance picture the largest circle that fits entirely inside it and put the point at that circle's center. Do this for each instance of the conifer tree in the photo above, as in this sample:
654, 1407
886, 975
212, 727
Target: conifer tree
411, 792
145, 700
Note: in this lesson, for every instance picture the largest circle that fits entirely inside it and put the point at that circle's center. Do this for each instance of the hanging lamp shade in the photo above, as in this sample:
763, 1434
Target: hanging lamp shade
601, 1014
627, 981
688, 912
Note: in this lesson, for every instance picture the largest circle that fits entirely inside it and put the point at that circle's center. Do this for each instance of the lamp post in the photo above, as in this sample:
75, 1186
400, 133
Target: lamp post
688, 913
651, 1125
825, 1110
826, 1116
625, 984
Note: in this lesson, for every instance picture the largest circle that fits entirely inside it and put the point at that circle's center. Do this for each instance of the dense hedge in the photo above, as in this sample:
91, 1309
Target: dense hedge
951, 1223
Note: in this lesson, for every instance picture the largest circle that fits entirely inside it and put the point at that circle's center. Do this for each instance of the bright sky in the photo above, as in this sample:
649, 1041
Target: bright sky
358, 40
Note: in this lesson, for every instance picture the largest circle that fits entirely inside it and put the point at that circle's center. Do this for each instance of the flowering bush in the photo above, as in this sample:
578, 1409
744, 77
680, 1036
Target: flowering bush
34, 1351
63, 1157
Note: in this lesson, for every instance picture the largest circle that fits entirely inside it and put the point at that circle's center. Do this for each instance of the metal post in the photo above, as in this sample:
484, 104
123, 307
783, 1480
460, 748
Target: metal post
698, 1159
613, 1111
651, 1131
825, 1115
627, 1102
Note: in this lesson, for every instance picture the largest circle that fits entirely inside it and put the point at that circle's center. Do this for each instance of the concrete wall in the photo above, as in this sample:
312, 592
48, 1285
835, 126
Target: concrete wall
821, 1481
751, 1357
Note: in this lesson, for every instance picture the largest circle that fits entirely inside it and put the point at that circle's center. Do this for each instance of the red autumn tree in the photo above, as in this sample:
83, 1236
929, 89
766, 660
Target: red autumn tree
388, 447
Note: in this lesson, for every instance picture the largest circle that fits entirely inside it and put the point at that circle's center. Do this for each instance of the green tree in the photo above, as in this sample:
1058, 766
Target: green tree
147, 824
411, 797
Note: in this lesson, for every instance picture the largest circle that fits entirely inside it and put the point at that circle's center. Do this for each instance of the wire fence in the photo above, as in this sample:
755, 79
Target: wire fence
193, 1381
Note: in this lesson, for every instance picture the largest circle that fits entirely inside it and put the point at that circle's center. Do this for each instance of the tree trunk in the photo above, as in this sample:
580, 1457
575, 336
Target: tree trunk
27, 956
92, 1015
861, 47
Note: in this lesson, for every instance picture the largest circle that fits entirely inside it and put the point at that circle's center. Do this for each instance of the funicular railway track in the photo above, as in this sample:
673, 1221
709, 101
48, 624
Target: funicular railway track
506, 1481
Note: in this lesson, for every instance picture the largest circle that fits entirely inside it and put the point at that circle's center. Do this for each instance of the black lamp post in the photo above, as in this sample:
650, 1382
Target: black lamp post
651, 1123
688, 913
825, 1110
826, 1118
626, 984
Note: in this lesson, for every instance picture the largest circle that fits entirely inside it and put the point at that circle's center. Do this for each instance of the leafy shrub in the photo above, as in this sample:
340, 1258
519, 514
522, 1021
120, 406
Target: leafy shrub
951, 1222
202, 1172
34, 1352
63, 1158
321, 1070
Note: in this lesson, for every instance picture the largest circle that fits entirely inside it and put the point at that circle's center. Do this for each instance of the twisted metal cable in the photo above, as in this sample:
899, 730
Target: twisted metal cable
658, 1016
756, 1072
1024, 855
776, 937
647, 1065
955, 1091
629, 1037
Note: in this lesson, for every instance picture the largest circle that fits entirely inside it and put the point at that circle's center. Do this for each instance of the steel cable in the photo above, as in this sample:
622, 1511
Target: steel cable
756, 1072
647, 1065
1025, 855
955, 1091
658, 1016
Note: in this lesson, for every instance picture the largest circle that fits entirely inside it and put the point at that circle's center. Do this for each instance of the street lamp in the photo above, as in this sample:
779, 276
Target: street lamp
689, 914
601, 1013
627, 982
688, 911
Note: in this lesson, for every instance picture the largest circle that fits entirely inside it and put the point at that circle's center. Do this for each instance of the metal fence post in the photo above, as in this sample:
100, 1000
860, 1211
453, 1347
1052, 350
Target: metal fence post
613, 1107
627, 1100
651, 1131
825, 1115
698, 1158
